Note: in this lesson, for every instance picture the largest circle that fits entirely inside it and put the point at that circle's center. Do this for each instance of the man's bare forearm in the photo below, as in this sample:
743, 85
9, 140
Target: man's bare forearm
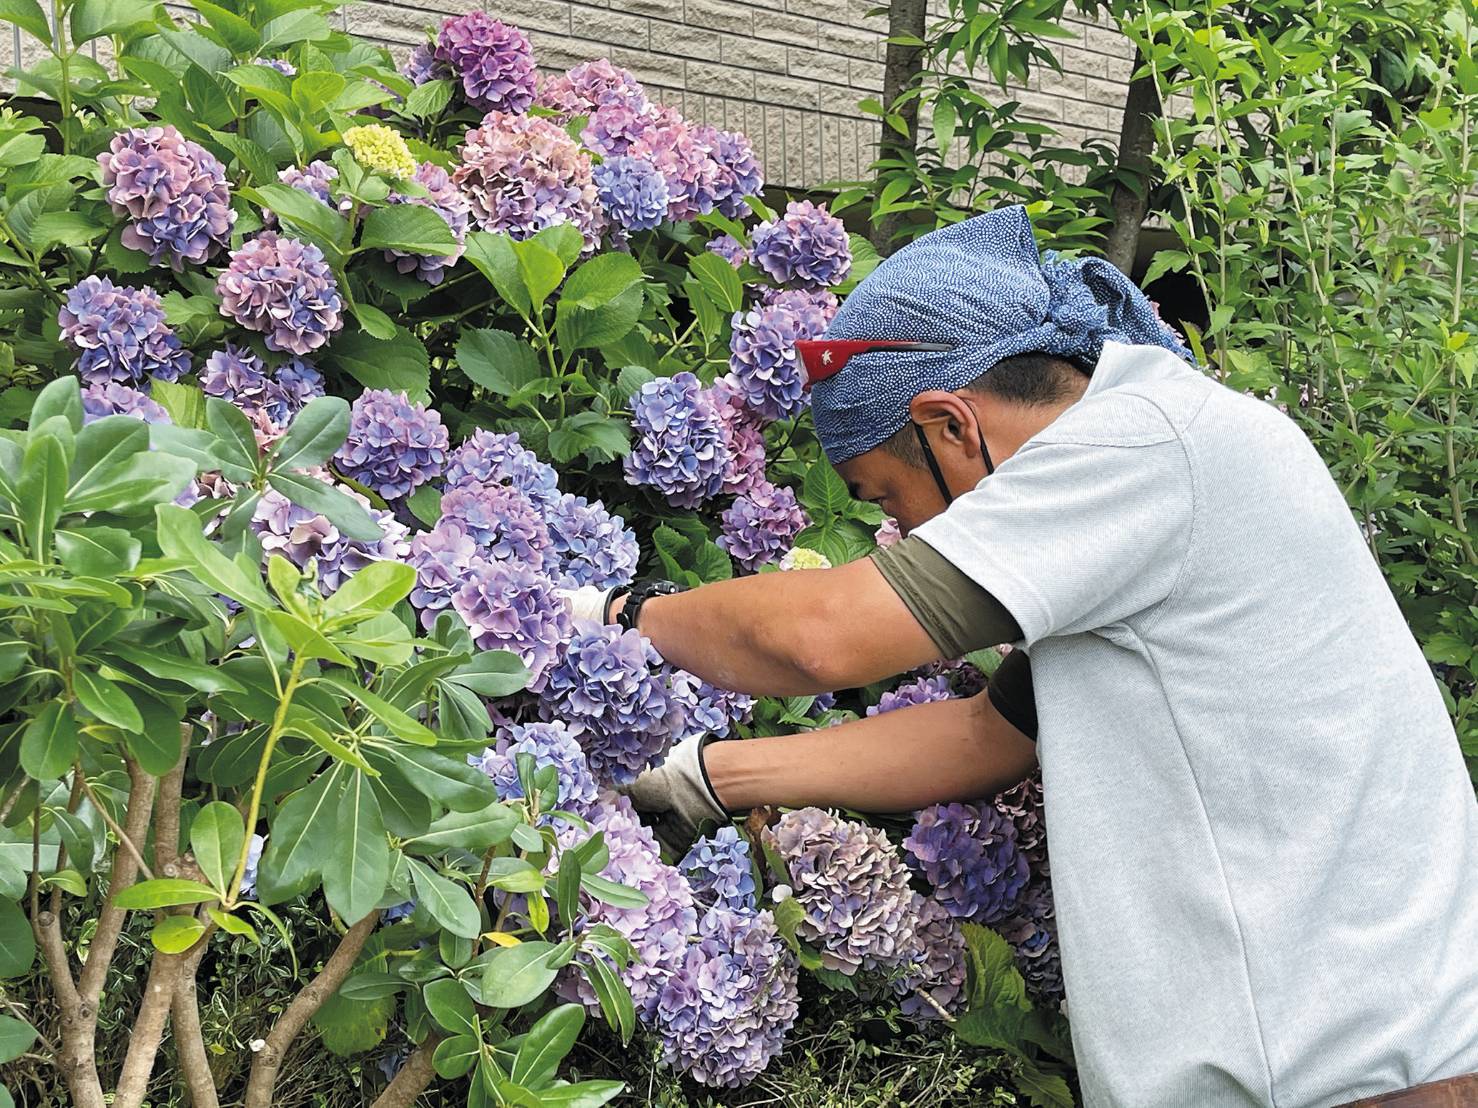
894, 762
789, 634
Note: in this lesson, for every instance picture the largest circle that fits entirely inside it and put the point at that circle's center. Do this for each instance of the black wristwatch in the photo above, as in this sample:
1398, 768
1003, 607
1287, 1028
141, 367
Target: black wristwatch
639, 594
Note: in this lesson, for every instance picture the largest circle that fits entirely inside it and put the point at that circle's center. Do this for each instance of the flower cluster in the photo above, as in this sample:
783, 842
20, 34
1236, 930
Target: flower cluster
724, 1010
680, 448
490, 457
853, 887
522, 173
237, 375
121, 333
729, 249
394, 446
800, 557
107, 398
302, 536
967, 853
503, 522
740, 174
610, 689
507, 606
549, 744
744, 436
380, 149
442, 558
315, 178
710, 710
284, 289
632, 192
760, 526
719, 871
173, 191
447, 201
807, 247
923, 691
492, 59
1032, 933
591, 546
937, 964
588, 86
762, 358
422, 66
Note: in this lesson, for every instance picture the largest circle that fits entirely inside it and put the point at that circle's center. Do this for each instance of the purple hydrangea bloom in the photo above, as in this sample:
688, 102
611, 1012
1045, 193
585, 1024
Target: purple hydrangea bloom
632, 191
490, 457
591, 546
680, 448
744, 434
804, 301
587, 86
522, 173
394, 446
511, 607
729, 249
299, 383
923, 691
823, 703
173, 190
1022, 805
503, 522
493, 60
967, 853
282, 65
760, 526
284, 289
121, 333
617, 125
659, 929
301, 535
888, 532
253, 860
422, 66
807, 247
314, 179
847, 876
447, 201
239, 377
684, 157
709, 710
442, 557
1032, 932
719, 871
726, 1006
937, 964
762, 357
550, 744
608, 687
106, 398
740, 174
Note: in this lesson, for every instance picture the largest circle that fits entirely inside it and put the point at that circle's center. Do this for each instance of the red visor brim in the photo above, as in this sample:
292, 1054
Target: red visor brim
825, 358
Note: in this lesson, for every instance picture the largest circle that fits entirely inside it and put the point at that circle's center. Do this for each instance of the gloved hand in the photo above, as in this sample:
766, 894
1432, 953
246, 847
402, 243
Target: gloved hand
588, 602
678, 793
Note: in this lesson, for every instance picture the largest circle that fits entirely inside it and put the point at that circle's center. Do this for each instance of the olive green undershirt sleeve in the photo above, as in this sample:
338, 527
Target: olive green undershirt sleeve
957, 613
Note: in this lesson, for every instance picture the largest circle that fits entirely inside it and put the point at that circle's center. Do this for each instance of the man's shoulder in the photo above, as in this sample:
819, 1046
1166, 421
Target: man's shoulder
1116, 417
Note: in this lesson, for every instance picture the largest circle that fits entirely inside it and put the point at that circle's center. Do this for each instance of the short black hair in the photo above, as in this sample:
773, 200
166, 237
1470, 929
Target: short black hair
1031, 380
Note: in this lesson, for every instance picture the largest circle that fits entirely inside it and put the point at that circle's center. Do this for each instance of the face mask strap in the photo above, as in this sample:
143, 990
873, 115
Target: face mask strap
933, 464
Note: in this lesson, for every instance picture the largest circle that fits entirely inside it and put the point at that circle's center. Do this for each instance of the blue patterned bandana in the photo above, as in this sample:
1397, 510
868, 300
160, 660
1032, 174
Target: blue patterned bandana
981, 289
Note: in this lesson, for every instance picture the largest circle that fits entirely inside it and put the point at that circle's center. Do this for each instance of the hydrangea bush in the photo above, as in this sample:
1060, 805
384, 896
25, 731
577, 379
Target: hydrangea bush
307, 422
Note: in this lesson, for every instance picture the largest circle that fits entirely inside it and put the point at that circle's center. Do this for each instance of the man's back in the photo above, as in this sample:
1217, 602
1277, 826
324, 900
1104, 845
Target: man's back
1264, 843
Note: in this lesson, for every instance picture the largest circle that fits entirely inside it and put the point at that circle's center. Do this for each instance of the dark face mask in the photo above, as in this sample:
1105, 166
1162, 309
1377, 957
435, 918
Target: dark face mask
934, 462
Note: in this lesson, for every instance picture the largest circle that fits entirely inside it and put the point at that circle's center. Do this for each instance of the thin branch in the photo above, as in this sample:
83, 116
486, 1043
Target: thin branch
123, 836
269, 1059
412, 1079
148, 1031
15, 794
125, 869
167, 810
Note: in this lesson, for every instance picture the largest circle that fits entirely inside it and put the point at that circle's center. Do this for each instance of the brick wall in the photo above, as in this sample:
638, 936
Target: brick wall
787, 72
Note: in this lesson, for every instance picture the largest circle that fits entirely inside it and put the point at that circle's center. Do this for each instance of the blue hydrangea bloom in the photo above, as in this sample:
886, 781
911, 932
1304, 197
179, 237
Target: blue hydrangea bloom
762, 357
729, 249
422, 66
491, 457
442, 557
508, 606
504, 523
111, 398
550, 744
174, 192
1032, 932
301, 536
299, 382
284, 289
282, 65
591, 546
121, 333
740, 173
632, 191
709, 709
760, 526
923, 691
937, 965
718, 869
807, 247
394, 446
680, 447
967, 853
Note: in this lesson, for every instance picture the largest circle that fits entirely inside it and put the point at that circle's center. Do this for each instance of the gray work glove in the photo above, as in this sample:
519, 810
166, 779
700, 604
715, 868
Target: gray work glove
678, 793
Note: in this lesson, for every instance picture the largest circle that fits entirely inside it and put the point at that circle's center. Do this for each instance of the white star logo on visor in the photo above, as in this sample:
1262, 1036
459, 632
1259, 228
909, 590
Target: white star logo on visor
826, 357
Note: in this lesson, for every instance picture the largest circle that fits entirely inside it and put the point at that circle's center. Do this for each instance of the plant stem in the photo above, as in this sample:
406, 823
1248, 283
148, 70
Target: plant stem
123, 837
273, 735
63, 56
412, 1078
148, 1030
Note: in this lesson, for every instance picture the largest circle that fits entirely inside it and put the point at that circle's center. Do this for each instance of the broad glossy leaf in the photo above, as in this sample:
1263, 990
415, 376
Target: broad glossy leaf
233, 925
77, 837
450, 1006
176, 934
719, 279
16, 1037
233, 431
546, 1043
376, 588
615, 998
399, 724
39, 492
303, 833
316, 432
49, 743
581, 1094
516, 975
17, 943
28, 16
410, 227
341, 509
174, 667
358, 866
105, 700
319, 221
493, 254
97, 551
156, 745
180, 536
448, 781
474, 832
618, 896
382, 638
492, 673
499, 361
539, 268
62, 397
216, 837
401, 364
164, 892
305, 640
455, 1056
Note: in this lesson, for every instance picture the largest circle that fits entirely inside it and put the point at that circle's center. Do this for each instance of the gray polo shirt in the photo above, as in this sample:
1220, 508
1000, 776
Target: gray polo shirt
1264, 840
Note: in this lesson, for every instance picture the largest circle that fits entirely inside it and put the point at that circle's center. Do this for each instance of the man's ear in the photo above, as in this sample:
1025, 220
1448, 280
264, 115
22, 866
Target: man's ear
942, 411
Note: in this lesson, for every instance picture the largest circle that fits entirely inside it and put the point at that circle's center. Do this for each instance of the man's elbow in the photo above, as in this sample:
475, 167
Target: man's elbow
821, 653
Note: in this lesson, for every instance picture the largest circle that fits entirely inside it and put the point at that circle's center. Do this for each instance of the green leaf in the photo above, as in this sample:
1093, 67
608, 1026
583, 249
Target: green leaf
564, 239
474, 832
400, 364
824, 492
305, 639
1043, 1089
97, 551
95, 18
78, 837
945, 119
618, 896
492, 674
315, 433
173, 667
497, 360
545, 1045
516, 875
455, 1056
216, 837
164, 892
180, 536
517, 975
176, 934
413, 228
358, 866
399, 724
133, 483
305, 214
105, 700
376, 588
16, 1037
381, 638
156, 745
62, 397
302, 835
428, 100
582, 328
449, 781
17, 942
615, 998
369, 985
28, 16
234, 433
49, 743
448, 903
233, 925
605, 277
68, 880
63, 229
237, 35
493, 255
39, 492
342, 510
581, 1094
719, 279
375, 322
450, 1006
540, 269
